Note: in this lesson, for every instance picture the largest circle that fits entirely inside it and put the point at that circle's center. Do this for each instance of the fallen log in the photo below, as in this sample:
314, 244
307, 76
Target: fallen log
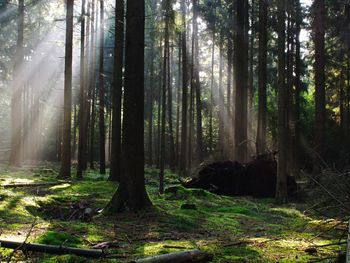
36, 184
187, 256
51, 249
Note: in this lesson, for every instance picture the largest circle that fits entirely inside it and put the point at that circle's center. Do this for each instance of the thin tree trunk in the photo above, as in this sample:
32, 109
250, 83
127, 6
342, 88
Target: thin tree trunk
262, 73
178, 105
197, 85
211, 139
241, 85
183, 155
66, 146
281, 185
16, 98
82, 98
297, 86
170, 111
102, 127
320, 97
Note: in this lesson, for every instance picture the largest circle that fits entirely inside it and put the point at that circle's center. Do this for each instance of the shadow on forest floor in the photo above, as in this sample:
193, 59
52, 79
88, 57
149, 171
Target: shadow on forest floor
233, 229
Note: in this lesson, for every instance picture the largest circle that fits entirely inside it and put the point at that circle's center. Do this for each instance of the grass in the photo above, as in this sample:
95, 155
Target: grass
234, 229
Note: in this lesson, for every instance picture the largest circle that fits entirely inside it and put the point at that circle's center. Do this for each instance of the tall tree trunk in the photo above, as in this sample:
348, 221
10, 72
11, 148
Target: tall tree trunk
102, 127
320, 97
297, 85
262, 73
281, 185
211, 117
150, 97
221, 100
183, 155
241, 84
170, 111
16, 98
178, 99
116, 154
92, 127
250, 95
197, 85
164, 92
132, 193
66, 144
82, 98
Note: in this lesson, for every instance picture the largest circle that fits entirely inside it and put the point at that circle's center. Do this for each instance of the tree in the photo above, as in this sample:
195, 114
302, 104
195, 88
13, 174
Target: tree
66, 142
319, 68
131, 192
184, 110
117, 91
82, 103
102, 128
241, 84
197, 84
16, 99
281, 185
262, 107
166, 4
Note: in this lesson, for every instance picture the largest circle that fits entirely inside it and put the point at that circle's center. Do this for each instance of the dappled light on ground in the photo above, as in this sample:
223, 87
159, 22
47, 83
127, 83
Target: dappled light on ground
233, 229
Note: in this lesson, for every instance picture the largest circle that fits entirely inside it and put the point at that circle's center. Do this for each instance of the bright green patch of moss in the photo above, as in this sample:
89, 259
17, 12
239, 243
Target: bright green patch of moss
59, 238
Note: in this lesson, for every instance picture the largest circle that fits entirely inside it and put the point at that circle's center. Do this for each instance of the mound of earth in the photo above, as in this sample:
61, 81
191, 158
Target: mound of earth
256, 178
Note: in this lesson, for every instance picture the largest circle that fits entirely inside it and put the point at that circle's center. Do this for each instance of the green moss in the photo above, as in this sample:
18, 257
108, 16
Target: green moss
273, 233
59, 238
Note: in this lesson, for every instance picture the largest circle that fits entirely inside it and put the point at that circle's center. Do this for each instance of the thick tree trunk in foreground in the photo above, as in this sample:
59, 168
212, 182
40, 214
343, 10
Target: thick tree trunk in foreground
16, 99
66, 144
281, 185
131, 193
117, 92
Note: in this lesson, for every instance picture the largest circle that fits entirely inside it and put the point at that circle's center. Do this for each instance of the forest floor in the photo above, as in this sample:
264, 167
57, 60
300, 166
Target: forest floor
233, 229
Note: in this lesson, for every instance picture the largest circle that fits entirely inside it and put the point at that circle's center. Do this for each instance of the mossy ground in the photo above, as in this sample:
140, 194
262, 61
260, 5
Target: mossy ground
233, 229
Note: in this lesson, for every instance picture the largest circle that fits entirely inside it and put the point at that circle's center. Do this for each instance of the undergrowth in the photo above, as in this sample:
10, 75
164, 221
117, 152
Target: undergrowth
233, 229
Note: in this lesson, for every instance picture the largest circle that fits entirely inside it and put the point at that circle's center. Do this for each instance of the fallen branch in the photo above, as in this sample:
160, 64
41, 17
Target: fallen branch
36, 184
178, 257
50, 249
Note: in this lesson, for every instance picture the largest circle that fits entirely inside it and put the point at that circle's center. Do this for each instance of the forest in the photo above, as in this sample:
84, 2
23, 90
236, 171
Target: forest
175, 131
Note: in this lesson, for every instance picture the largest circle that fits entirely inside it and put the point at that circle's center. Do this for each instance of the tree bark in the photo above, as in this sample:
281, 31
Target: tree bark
16, 98
197, 85
66, 144
262, 73
184, 110
102, 127
131, 193
281, 185
116, 154
241, 84
320, 97
82, 98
